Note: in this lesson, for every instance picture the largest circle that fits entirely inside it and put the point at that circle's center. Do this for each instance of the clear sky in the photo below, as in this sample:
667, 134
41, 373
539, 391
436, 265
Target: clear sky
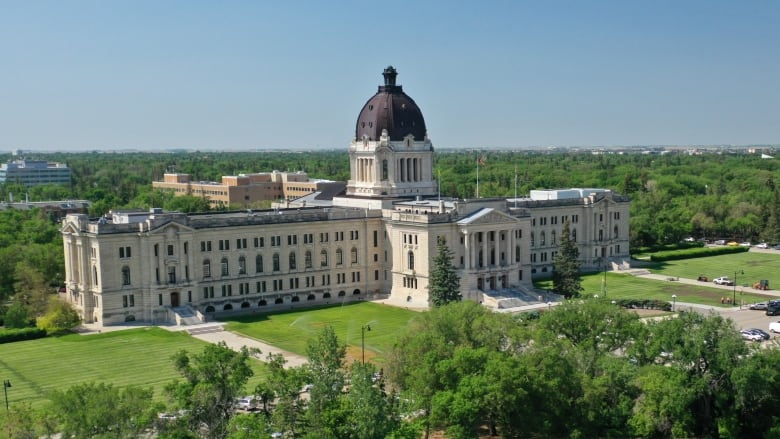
110, 74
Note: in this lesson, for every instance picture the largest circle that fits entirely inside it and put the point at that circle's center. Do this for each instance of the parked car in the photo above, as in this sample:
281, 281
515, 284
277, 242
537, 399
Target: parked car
720, 242
689, 239
723, 280
755, 334
745, 244
777, 247
774, 327
763, 245
759, 306
732, 244
772, 309
246, 403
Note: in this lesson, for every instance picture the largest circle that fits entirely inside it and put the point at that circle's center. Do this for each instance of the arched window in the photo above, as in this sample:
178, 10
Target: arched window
125, 275
259, 264
354, 255
292, 260
410, 259
541, 238
324, 258
206, 268
552, 237
276, 262
224, 264
339, 256
241, 265
307, 259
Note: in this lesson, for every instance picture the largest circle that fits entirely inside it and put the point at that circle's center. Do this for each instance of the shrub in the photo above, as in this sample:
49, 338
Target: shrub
12, 335
644, 304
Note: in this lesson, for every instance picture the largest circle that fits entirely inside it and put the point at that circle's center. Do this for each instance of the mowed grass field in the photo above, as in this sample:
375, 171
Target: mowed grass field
140, 357
291, 330
756, 265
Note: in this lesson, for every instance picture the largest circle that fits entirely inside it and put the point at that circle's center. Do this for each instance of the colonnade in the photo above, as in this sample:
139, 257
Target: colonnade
491, 247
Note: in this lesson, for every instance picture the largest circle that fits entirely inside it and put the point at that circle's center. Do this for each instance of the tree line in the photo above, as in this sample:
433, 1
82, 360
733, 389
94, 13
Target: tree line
583, 369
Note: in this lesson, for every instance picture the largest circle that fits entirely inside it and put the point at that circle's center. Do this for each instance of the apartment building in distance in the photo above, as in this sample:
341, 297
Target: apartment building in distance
34, 172
375, 239
248, 190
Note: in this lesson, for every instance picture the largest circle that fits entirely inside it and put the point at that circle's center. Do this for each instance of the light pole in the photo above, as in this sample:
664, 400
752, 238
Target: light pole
674, 301
734, 294
363, 330
604, 280
6, 385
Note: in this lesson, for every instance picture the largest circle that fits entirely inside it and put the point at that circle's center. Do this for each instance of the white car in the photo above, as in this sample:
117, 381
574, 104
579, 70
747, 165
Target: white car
745, 244
774, 327
723, 280
763, 245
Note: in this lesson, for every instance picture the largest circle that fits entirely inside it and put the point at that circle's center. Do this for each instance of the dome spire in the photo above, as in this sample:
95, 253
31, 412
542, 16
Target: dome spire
390, 73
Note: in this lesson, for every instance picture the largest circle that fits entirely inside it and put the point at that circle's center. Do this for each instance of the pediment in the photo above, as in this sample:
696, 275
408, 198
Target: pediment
170, 229
487, 216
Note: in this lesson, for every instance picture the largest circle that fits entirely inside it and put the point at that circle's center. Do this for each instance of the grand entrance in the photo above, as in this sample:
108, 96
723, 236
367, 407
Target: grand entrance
174, 300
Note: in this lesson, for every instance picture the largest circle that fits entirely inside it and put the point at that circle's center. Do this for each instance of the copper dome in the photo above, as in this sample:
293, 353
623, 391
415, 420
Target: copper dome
392, 110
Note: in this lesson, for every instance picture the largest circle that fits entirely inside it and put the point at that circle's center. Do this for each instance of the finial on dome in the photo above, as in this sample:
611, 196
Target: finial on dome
389, 73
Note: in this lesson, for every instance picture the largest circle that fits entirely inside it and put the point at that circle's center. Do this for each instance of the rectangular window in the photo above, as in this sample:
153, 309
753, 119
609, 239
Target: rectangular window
170, 249
171, 275
376, 238
189, 296
186, 247
124, 301
159, 299
157, 250
132, 300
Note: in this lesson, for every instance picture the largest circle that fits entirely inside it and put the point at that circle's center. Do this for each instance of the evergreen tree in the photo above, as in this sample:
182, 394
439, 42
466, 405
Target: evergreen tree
444, 284
566, 266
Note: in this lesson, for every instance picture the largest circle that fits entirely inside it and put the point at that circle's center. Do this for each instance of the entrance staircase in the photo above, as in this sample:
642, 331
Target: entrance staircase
185, 316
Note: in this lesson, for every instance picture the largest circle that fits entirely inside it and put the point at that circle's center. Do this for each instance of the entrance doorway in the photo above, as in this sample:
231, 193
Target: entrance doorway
174, 300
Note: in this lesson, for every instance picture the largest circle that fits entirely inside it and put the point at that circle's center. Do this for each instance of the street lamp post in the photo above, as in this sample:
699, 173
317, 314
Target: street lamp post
734, 294
6, 385
604, 280
363, 330
674, 301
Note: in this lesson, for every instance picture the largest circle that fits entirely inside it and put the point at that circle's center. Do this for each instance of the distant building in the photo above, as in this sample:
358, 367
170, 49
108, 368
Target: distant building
246, 190
377, 239
34, 172
57, 209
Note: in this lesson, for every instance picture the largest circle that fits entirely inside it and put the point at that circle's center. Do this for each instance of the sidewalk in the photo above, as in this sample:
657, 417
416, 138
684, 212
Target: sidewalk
213, 332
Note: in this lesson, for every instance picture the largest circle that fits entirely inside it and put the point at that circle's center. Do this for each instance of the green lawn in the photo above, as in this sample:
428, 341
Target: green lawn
292, 330
132, 357
755, 265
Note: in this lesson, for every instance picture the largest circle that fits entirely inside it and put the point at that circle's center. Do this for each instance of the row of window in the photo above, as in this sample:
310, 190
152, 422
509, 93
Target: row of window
275, 285
292, 262
276, 240
554, 220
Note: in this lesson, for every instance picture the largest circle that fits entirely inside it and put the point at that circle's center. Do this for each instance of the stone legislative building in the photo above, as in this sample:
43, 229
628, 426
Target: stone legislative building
375, 239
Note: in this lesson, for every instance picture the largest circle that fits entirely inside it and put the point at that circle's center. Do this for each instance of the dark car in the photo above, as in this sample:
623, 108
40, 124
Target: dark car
773, 309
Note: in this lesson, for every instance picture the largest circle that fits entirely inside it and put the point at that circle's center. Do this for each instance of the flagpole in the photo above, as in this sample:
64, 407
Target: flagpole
515, 186
477, 176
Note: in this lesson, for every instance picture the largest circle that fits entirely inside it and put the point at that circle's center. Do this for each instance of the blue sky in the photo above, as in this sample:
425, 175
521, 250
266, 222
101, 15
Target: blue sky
78, 75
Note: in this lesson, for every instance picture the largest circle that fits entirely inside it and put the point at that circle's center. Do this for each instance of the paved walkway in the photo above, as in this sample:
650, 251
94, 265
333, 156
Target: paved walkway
213, 332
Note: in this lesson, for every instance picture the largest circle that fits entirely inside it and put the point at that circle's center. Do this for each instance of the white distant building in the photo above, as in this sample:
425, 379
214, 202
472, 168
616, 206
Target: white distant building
34, 172
376, 239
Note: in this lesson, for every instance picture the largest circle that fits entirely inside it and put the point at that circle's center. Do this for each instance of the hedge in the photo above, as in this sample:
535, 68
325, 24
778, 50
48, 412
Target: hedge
12, 335
644, 304
690, 253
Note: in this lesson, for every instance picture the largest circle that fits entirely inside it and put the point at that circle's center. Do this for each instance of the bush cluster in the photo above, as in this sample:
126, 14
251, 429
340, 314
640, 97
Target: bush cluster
644, 304
12, 335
